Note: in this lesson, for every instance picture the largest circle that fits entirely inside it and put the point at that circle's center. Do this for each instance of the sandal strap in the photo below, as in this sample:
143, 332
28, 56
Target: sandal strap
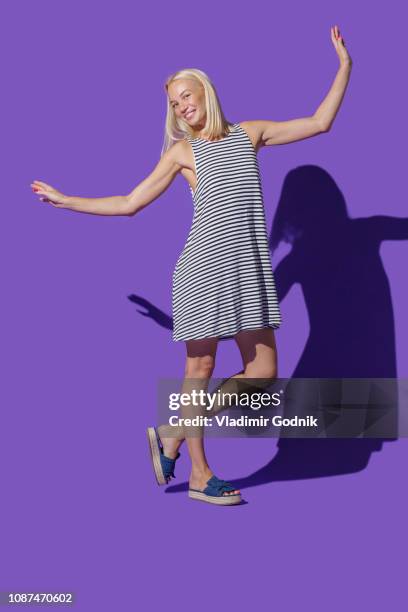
216, 487
224, 483
168, 464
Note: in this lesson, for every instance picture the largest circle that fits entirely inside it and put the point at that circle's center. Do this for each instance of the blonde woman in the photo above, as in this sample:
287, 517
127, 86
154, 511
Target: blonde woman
223, 283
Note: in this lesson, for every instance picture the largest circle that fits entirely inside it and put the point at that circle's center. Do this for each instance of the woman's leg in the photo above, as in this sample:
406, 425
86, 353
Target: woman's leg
259, 353
200, 363
259, 359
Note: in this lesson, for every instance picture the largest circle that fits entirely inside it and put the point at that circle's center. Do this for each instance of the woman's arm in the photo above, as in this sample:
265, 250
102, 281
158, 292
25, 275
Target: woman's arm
264, 133
127, 205
157, 182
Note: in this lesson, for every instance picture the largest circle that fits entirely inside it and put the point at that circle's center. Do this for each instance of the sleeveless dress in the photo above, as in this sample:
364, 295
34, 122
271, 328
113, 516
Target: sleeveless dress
223, 281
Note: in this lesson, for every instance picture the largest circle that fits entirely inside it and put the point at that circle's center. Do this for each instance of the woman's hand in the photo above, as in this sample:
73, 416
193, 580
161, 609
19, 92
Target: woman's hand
339, 45
49, 194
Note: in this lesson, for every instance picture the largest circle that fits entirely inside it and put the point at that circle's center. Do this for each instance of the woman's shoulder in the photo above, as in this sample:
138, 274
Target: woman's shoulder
248, 126
180, 152
251, 128
178, 147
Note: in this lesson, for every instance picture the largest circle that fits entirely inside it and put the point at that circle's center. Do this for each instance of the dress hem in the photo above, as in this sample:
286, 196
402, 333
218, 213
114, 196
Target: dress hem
225, 336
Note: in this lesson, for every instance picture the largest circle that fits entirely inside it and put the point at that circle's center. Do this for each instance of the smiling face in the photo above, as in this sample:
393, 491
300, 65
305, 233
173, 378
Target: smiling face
187, 99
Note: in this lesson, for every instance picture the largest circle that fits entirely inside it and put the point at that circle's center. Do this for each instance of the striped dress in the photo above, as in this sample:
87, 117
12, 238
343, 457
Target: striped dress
223, 280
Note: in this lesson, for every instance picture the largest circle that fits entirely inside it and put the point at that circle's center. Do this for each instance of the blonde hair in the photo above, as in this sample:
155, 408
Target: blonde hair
216, 125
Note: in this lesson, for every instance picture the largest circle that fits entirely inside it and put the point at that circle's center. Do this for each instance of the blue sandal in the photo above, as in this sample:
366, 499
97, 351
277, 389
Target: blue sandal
163, 466
214, 493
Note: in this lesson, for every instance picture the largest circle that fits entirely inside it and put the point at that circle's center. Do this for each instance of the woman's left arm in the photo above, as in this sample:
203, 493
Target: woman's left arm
266, 133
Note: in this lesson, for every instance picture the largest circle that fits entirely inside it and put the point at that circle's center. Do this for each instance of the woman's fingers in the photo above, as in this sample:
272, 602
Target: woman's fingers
335, 32
52, 198
43, 195
48, 194
36, 185
41, 184
41, 188
336, 36
339, 45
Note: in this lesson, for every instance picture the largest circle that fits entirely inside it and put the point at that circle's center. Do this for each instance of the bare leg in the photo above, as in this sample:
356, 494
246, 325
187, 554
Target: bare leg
260, 361
199, 368
259, 358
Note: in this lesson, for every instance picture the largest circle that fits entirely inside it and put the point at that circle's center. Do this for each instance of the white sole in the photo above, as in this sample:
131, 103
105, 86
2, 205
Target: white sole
224, 500
155, 454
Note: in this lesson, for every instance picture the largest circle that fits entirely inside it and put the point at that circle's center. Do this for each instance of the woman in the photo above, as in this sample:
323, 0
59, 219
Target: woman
223, 284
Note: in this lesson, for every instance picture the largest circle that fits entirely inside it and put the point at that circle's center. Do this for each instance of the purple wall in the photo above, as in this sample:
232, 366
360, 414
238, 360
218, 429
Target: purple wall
83, 110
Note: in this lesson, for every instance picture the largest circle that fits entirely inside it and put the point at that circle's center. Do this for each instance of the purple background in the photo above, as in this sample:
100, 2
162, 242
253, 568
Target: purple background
83, 110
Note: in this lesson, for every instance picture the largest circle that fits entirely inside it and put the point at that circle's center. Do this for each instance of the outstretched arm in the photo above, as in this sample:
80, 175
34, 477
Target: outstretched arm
264, 133
127, 205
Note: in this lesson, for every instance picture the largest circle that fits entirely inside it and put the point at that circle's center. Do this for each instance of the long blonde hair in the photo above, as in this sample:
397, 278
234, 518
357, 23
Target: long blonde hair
216, 125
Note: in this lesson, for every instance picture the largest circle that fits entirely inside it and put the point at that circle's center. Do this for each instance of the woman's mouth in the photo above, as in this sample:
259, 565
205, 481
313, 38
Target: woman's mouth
189, 114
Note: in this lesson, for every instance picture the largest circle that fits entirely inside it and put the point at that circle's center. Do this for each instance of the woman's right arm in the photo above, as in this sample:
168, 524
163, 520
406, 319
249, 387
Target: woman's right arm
127, 205
157, 182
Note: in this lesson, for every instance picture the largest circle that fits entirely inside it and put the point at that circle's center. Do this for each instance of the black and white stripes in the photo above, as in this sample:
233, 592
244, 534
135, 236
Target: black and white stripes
223, 281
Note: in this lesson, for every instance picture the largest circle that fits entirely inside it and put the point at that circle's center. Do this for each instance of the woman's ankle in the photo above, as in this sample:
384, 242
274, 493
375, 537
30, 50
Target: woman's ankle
171, 447
201, 471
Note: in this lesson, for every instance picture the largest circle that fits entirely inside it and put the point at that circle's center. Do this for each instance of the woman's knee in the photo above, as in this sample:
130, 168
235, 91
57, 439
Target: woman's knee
199, 367
200, 359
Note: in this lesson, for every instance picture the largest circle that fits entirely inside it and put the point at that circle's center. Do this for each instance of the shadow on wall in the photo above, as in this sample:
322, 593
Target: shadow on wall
336, 260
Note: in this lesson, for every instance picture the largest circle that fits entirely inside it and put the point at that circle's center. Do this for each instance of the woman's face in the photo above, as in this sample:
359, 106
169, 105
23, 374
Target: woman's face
187, 100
